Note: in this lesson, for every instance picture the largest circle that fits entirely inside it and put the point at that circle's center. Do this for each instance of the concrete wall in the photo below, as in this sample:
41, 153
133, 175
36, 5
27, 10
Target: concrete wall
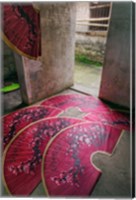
53, 72
115, 84
82, 12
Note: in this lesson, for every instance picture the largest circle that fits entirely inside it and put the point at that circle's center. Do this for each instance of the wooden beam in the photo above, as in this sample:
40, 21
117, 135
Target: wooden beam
94, 19
100, 6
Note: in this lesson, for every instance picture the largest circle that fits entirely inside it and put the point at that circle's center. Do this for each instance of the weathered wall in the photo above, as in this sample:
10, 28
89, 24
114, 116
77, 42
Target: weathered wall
82, 12
9, 67
115, 84
54, 70
92, 47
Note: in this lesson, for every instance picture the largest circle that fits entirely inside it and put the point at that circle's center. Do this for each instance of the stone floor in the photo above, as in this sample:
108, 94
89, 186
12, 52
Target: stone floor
116, 169
87, 78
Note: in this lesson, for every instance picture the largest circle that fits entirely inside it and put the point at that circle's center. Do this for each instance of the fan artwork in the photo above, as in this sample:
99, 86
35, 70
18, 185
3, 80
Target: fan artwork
40, 145
22, 157
112, 118
67, 168
21, 29
17, 120
86, 103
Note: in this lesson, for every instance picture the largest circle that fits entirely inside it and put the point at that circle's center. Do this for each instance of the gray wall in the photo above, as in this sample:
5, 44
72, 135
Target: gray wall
115, 84
82, 12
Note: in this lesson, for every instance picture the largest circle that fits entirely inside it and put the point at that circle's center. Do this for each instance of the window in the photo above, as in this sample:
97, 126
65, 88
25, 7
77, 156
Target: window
99, 16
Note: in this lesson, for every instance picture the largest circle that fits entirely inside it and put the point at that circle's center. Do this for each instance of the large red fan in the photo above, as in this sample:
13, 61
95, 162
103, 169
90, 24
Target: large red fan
114, 118
21, 29
22, 157
17, 120
86, 103
67, 168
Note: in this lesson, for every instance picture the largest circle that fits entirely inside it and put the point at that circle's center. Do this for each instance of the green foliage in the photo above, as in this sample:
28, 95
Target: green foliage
84, 59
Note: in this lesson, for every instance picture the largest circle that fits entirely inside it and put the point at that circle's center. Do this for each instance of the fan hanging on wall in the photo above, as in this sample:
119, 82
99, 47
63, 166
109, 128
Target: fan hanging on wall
21, 29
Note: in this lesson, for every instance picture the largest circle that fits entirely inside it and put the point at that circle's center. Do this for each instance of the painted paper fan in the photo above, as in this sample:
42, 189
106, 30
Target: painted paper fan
17, 120
114, 118
21, 29
86, 103
22, 157
67, 168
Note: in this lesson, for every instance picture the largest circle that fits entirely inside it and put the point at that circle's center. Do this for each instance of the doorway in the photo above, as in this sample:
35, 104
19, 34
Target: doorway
92, 21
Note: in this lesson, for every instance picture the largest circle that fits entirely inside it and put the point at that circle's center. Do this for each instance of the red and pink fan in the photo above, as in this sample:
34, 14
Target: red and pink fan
22, 157
17, 120
67, 168
113, 118
21, 28
86, 103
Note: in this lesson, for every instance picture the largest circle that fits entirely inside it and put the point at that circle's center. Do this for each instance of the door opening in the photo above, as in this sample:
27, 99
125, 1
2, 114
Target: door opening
92, 21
